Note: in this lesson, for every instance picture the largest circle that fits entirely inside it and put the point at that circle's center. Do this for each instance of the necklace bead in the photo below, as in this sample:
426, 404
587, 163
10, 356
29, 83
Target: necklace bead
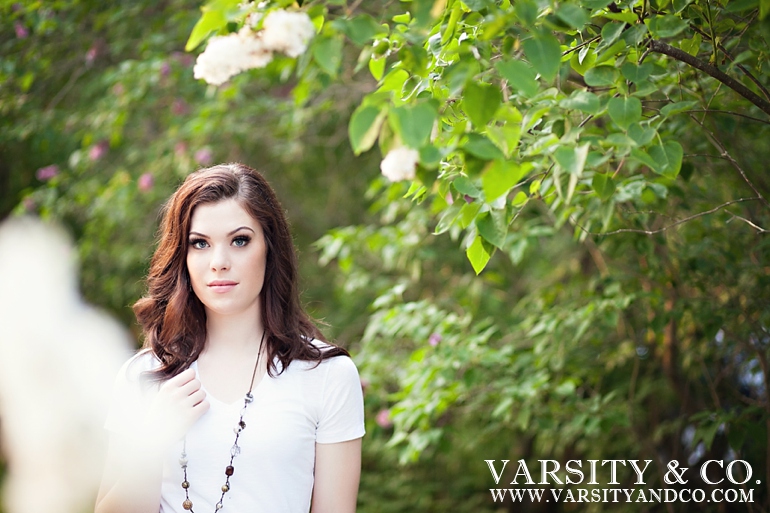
230, 470
185, 484
187, 504
225, 488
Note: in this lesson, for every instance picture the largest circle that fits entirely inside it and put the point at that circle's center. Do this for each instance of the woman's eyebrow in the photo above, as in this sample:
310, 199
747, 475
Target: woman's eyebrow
231, 233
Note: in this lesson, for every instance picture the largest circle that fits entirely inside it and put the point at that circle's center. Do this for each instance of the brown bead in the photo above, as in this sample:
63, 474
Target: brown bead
242, 424
225, 488
185, 484
229, 470
187, 504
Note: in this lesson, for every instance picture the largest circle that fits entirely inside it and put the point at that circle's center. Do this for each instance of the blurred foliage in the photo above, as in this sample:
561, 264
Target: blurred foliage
609, 298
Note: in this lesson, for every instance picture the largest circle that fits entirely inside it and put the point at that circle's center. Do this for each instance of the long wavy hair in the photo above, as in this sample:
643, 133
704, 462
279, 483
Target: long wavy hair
172, 317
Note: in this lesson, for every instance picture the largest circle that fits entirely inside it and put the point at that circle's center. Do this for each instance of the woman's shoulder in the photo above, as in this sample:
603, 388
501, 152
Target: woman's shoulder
143, 361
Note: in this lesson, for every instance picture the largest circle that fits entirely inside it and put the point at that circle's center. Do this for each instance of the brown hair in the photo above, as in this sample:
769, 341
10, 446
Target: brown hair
171, 315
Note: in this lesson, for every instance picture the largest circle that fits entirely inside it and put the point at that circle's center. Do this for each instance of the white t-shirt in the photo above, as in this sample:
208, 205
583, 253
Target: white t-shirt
291, 412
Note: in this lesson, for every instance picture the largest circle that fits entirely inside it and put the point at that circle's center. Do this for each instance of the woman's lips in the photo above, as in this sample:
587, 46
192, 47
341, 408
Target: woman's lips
222, 286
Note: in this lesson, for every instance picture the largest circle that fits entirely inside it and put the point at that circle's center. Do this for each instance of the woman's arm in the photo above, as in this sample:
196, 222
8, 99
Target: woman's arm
133, 472
337, 472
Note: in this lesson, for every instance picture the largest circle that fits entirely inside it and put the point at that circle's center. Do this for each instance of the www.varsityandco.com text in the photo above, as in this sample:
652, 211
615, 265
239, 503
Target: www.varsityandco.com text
597, 480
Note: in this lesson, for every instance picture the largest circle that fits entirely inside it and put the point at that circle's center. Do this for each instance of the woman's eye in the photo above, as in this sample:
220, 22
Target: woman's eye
241, 241
198, 243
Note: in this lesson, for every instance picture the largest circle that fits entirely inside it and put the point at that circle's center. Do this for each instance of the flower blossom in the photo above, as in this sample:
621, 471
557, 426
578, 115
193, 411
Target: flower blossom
98, 150
400, 164
383, 419
46, 173
204, 156
226, 56
434, 339
145, 182
287, 32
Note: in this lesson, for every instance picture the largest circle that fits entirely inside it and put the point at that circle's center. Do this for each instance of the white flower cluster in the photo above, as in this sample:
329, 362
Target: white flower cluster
400, 164
226, 56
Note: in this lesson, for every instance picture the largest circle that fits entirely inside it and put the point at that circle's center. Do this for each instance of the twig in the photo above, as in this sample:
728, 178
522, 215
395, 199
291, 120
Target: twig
581, 45
672, 225
680, 55
715, 111
756, 227
64, 90
723, 152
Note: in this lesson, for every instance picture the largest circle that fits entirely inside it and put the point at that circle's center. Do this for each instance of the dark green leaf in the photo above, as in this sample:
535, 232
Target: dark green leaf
481, 147
665, 26
520, 76
544, 53
583, 101
492, 226
601, 76
327, 52
636, 73
668, 158
604, 186
625, 110
572, 15
414, 122
480, 103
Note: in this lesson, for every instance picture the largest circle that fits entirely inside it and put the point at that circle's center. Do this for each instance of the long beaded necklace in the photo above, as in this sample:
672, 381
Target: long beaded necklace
235, 450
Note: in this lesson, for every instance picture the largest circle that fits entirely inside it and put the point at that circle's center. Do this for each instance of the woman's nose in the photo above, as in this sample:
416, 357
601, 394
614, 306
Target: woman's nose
219, 260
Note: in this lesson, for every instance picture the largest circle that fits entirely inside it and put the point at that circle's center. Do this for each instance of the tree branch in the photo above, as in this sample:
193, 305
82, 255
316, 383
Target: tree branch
675, 223
680, 55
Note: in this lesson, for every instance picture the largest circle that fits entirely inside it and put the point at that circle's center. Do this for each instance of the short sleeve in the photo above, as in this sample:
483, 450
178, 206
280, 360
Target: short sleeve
130, 395
342, 409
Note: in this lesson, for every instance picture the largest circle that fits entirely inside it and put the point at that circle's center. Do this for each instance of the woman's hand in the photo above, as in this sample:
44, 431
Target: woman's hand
180, 402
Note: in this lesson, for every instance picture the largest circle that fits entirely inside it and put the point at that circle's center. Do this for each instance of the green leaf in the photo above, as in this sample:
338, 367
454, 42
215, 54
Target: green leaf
210, 21
413, 123
583, 101
636, 73
465, 186
634, 35
544, 52
520, 199
572, 15
668, 158
572, 159
677, 107
520, 76
665, 26
604, 185
641, 136
625, 110
492, 226
506, 131
601, 76
481, 102
327, 52
595, 4
478, 255
583, 60
364, 127
361, 29
610, 33
377, 68
499, 177
691, 46
481, 147
643, 157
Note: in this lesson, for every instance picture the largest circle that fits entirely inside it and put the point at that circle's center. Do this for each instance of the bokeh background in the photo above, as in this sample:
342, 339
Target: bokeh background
568, 345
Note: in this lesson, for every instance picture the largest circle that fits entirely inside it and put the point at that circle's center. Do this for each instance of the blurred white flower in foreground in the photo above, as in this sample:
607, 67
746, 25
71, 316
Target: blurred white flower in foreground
400, 164
287, 32
58, 361
228, 55
225, 56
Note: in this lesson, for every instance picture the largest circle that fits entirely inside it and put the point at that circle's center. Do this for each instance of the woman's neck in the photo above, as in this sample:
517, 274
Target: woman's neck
234, 334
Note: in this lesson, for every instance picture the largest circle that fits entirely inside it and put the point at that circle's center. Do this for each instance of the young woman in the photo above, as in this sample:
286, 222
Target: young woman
235, 402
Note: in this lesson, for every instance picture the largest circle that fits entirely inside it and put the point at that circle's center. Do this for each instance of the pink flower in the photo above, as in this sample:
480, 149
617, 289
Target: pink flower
204, 156
179, 108
46, 173
145, 182
98, 150
118, 89
91, 55
180, 149
165, 69
21, 30
434, 339
383, 419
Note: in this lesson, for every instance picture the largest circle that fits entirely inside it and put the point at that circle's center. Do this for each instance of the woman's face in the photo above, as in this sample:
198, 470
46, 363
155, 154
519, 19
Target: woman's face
226, 258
